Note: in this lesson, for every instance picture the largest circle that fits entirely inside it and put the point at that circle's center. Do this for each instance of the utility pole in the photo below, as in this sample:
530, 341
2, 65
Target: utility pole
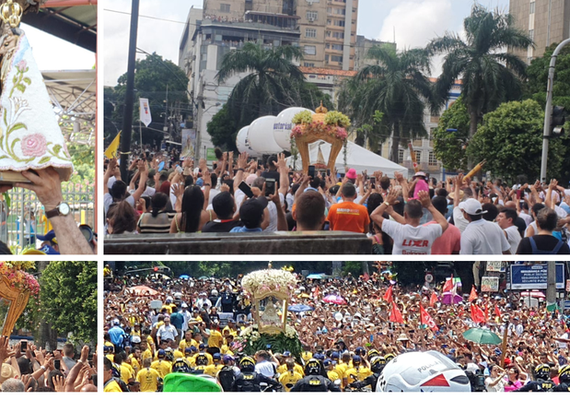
551, 284
548, 109
130, 94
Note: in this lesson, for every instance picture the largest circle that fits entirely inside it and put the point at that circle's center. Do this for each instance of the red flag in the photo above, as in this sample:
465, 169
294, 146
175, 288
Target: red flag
477, 314
448, 286
426, 319
366, 277
433, 299
388, 295
316, 295
497, 311
473, 295
487, 311
395, 314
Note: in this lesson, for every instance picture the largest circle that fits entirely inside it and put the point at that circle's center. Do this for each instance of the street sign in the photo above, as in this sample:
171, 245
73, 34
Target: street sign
534, 276
210, 155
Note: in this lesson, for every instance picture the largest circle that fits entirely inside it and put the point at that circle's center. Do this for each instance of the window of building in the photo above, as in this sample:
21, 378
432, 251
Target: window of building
311, 50
418, 155
225, 8
532, 4
312, 15
432, 160
336, 58
337, 35
336, 47
339, 22
400, 156
311, 33
310, 65
340, 11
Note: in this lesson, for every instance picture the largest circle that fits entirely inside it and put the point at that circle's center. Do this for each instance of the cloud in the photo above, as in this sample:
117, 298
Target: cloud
417, 22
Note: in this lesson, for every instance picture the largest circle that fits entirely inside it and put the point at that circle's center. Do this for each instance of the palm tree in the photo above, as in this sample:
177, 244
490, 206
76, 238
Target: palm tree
274, 81
490, 75
395, 86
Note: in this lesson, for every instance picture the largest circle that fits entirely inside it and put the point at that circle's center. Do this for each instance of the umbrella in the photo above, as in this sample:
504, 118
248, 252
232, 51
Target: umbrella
482, 336
143, 291
333, 298
538, 295
450, 298
299, 308
183, 277
315, 276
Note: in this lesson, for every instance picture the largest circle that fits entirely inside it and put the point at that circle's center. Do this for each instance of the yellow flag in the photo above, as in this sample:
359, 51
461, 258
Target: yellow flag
111, 151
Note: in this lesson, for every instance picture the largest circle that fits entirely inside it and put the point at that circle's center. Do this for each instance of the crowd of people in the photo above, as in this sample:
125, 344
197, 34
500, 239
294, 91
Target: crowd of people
155, 326
26, 368
400, 216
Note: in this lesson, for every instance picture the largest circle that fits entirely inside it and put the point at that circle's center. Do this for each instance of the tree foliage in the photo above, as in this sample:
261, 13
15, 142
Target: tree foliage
68, 298
396, 86
449, 146
223, 130
153, 78
510, 139
490, 75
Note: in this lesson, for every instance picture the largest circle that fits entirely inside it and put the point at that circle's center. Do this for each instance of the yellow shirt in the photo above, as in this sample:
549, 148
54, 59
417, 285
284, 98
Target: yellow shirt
357, 374
216, 339
134, 364
168, 308
163, 367
213, 369
147, 354
298, 369
231, 331
184, 344
333, 375
112, 386
178, 354
288, 379
148, 379
110, 357
127, 372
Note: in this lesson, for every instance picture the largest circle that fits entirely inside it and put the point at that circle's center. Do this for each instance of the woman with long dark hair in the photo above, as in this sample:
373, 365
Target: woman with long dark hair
193, 214
158, 220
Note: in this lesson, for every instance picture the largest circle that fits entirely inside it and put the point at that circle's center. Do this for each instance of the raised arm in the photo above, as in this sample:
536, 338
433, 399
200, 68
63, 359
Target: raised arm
437, 216
377, 214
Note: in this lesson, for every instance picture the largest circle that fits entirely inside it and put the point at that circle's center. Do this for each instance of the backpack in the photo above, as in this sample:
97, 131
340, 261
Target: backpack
536, 251
226, 377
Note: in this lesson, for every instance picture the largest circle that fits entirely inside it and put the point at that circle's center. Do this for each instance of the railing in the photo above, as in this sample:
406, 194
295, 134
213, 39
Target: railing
25, 217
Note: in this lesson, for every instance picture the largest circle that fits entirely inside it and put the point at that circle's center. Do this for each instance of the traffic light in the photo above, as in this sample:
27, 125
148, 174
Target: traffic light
557, 122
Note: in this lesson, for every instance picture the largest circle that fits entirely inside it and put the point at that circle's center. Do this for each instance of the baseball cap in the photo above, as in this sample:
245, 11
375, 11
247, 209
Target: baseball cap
228, 358
351, 174
161, 352
473, 207
327, 362
252, 210
217, 356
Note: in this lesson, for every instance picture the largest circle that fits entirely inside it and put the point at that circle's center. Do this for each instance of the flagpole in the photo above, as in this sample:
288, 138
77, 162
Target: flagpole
140, 131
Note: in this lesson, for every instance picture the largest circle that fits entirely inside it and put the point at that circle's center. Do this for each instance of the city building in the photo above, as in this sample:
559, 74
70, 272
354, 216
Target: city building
363, 46
546, 21
204, 43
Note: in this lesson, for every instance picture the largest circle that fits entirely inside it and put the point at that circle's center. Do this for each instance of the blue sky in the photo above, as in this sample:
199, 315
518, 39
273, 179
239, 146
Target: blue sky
415, 22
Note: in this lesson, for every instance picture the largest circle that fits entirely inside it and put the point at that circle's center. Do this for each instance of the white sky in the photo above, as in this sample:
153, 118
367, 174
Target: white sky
53, 54
414, 22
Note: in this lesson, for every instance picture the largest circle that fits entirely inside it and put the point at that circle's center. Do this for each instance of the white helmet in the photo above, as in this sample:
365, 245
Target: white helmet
422, 372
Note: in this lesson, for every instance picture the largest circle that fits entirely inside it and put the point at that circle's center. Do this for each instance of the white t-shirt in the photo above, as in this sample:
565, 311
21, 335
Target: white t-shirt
483, 237
272, 227
527, 218
499, 387
534, 226
513, 237
411, 240
458, 219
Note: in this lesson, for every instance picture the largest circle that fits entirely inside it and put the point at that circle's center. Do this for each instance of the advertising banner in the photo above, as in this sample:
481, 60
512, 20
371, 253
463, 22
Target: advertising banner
534, 276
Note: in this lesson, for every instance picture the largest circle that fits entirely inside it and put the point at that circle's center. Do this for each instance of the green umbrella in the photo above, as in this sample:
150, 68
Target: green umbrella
482, 336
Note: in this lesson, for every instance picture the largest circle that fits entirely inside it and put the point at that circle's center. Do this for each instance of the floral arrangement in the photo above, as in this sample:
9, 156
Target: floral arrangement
19, 278
334, 124
259, 283
253, 341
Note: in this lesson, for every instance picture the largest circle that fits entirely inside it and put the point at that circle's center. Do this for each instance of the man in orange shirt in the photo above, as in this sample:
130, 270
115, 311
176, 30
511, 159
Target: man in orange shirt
348, 216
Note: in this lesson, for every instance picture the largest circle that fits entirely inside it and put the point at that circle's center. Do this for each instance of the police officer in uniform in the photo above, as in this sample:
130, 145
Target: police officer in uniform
377, 364
249, 380
543, 382
564, 377
314, 381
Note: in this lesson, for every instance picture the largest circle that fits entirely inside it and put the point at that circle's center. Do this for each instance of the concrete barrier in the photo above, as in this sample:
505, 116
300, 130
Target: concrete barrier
316, 242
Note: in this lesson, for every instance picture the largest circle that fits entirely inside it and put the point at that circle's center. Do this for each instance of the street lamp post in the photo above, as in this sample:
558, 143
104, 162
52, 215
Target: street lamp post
548, 109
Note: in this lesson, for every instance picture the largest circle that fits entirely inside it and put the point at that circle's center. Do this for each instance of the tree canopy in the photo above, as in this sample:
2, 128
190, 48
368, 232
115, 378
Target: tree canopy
450, 136
153, 78
489, 74
510, 139
396, 86
68, 298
